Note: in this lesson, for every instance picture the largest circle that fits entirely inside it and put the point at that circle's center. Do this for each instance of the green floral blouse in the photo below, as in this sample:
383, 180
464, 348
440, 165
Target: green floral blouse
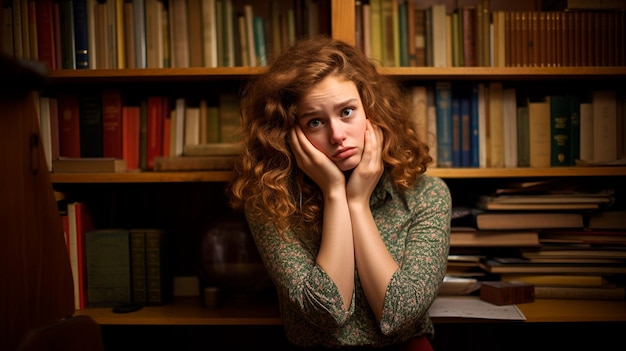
415, 226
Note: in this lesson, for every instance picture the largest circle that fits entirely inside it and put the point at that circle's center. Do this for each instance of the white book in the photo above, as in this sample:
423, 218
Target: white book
586, 131
604, 125
192, 125
439, 35
509, 127
496, 130
209, 33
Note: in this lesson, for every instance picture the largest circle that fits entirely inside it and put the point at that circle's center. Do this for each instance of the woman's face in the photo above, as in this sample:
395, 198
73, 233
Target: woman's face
332, 118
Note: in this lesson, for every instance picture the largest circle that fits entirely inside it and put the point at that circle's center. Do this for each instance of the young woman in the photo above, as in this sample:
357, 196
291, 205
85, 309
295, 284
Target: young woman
353, 234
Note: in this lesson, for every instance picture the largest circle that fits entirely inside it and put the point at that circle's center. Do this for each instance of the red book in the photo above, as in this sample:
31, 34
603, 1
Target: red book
45, 33
154, 147
69, 125
112, 124
130, 136
79, 223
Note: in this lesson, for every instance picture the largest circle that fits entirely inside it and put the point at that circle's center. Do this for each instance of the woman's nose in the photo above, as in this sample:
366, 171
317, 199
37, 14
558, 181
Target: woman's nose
337, 133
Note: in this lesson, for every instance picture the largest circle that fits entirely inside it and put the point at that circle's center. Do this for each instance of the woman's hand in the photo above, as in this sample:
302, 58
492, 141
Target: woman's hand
367, 174
315, 163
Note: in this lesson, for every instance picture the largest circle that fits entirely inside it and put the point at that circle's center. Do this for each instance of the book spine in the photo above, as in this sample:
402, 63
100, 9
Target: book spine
475, 127
154, 132
45, 33
443, 101
81, 43
579, 293
108, 267
466, 131
130, 136
66, 12
523, 147
90, 117
138, 266
112, 124
560, 125
156, 278
456, 130
69, 125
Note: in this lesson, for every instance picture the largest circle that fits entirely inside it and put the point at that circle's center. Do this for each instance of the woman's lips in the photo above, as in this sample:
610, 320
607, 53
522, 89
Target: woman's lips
344, 153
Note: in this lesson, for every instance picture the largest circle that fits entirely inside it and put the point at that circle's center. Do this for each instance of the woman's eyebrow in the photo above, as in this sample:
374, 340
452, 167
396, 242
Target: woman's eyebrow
338, 105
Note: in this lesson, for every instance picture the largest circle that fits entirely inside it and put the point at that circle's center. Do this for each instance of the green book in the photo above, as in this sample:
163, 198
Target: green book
574, 129
157, 277
138, 266
108, 267
523, 143
560, 125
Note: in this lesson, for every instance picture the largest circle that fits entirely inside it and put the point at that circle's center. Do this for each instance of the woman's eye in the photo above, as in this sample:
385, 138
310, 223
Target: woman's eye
314, 123
347, 112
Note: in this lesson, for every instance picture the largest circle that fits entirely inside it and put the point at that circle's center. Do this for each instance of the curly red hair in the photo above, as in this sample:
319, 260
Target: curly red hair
268, 183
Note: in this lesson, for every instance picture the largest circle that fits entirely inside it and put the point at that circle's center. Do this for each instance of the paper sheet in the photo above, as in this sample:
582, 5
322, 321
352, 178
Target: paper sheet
473, 307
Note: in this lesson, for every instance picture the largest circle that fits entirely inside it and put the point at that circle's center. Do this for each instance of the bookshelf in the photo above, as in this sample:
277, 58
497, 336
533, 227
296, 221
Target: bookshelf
342, 22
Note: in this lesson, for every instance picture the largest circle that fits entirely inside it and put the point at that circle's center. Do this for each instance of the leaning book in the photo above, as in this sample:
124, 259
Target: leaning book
88, 165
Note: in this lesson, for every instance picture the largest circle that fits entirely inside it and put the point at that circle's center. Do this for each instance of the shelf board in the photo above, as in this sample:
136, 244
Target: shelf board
142, 177
402, 73
505, 73
189, 311
225, 176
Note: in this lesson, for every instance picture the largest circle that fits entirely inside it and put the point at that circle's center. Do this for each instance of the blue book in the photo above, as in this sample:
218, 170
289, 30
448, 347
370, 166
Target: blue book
81, 45
443, 108
260, 45
474, 145
466, 131
457, 130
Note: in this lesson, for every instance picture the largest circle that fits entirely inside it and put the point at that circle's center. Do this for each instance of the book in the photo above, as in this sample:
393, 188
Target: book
496, 125
90, 118
580, 293
194, 163
608, 219
154, 129
469, 237
108, 267
499, 265
523, 137
130, 136
438, 31
81, 32
539, 133
586, 131
509, 128
112, 123
583, 236
158, 283
546, 201
575, 251
229, 117
79, 222
604, 125
556, 279
138, 266
443, 104
560, 131
88, 165
528, 220
69, 125
45, 33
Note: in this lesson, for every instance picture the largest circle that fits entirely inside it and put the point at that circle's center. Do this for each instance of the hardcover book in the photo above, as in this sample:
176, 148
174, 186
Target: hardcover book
108, 267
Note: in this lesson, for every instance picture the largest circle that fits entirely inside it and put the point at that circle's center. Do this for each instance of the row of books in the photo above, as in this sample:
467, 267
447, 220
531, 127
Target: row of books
490, 125
82, 34
112, 267
103, 126
406, 33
